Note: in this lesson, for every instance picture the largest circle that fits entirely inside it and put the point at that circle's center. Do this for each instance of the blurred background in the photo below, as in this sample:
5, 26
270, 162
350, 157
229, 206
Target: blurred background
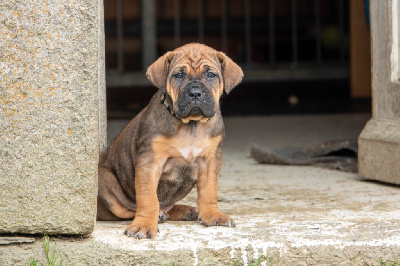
308, 56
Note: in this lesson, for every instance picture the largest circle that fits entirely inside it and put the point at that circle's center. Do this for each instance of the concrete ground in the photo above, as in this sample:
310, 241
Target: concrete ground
285, 215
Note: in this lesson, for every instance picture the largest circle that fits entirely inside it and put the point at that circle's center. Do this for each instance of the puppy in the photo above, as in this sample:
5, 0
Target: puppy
171, 145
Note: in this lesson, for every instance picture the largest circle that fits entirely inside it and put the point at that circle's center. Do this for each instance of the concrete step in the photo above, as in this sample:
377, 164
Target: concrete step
289, 215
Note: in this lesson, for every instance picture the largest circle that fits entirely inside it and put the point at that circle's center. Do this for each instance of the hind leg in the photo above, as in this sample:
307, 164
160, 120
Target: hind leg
110, 196
111, 202
183, 213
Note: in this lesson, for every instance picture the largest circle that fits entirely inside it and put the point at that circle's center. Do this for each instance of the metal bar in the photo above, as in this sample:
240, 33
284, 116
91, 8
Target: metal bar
294, 34
148, 33
201, 21
247, 28
177, 23
297, 74
271, 32
341, 27
318, 31
224, 27
120, 37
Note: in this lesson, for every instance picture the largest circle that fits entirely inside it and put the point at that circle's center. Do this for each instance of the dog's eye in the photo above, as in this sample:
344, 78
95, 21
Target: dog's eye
178, 75
211, 75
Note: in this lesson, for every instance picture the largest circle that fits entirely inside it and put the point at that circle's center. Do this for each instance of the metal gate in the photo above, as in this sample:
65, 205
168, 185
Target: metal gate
287, 40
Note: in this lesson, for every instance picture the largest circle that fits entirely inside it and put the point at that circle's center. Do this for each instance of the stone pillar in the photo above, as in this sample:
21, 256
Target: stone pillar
379, 143
51, 75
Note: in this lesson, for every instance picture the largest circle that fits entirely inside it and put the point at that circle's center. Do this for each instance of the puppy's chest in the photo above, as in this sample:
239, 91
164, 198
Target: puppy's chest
187, 144
191, 152
183, 158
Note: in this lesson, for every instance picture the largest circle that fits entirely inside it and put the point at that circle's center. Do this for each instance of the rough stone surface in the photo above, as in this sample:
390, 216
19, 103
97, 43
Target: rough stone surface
292, 215
49, 116
15, 240
380, 140
379, 150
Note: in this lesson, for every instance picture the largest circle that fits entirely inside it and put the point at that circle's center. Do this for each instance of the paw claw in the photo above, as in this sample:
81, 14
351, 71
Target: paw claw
162, 216
138, 235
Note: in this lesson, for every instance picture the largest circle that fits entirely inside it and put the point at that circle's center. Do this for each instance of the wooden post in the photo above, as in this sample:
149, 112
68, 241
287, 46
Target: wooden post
360, 52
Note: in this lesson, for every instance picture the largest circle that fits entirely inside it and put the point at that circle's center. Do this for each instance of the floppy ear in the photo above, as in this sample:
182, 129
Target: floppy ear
158, 71
231, 72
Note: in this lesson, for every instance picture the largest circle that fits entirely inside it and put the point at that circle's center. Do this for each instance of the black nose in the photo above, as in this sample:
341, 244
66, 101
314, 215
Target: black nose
195, 92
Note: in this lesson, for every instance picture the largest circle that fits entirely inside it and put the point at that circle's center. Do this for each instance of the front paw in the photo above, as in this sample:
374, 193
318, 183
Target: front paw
216, 218
141, 228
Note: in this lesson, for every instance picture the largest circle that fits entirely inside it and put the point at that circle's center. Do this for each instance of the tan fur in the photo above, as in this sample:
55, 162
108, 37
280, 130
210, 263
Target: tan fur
202, 119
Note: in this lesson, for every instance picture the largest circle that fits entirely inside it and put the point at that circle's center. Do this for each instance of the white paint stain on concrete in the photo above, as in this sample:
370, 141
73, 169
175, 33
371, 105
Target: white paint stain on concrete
256, 235
232, 252
194, 249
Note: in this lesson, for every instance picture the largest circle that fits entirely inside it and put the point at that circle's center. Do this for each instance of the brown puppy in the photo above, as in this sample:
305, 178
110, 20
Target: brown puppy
171, 145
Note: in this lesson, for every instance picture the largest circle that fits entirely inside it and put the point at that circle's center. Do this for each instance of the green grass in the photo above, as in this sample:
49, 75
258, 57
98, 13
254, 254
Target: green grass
256, 262
33, 262
51, 256
388, 263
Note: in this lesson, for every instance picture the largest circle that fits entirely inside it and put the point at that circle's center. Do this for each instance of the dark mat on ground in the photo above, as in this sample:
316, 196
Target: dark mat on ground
333, 154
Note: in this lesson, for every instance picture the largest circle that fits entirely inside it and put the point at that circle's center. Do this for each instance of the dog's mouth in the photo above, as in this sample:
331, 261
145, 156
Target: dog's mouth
195, 114
195, 103
196, 111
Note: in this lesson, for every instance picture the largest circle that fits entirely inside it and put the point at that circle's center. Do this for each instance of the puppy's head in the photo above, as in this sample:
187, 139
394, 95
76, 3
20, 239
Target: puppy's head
195, 76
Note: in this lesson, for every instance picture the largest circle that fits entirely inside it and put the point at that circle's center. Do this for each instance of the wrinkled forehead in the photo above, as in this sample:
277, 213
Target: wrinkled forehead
196, 61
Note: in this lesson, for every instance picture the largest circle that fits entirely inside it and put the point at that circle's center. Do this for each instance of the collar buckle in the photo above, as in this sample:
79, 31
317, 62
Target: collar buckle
163, 99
